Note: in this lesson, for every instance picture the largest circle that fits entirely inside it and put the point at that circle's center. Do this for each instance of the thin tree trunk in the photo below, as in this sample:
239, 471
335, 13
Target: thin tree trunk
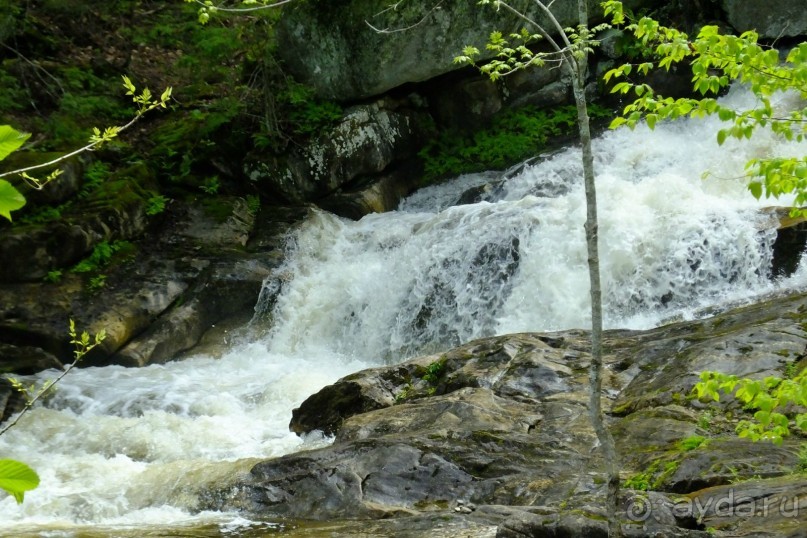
592, 244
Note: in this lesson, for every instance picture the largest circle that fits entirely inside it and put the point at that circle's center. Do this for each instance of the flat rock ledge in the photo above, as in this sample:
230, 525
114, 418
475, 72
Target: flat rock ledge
493, 439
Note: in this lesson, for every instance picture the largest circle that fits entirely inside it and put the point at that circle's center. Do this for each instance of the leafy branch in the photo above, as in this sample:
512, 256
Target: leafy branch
145, 102
208, 8
11, 140
16, 477
83, 343
716, 61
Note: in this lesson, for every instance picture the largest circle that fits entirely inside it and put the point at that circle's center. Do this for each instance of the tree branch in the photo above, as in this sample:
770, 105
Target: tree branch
243, 9
394, 7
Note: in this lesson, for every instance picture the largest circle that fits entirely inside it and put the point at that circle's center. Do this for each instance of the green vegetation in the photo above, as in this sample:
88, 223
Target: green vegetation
718, 60
156, 205
771, 399
693, 442
653, 478
802, 465
54, 276
435, 371
102, 255
514, 135
429, 379
16, 478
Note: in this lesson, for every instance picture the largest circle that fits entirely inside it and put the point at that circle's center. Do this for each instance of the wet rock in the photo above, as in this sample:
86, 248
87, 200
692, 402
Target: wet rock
772, 507
223, 290
790, 244
504, 420
11, 400
381, 194
115, 212
196, 271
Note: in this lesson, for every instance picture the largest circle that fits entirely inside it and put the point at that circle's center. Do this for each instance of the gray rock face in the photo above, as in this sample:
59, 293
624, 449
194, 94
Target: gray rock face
497, 432
191, 275
333, 46
771, 18
348, 158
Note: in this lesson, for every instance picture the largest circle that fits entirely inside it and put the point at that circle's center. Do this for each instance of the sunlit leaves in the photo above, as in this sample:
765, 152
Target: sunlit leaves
10, 199
772, 399
511, 54
16, 478
10, 140
716, 61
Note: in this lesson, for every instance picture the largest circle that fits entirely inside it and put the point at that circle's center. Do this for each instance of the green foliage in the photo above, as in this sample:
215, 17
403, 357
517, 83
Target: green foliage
405, 393
716, 61
253, 204
692, 442
211, 185
514, 52
66, 127
308, 115
53, 276
772, 399
96, 283
654, 477
156, 205
43, 214
705, 420
12, 94
513, 136
16, 478
434, 372
11, 140
95, 175
186, 142
802, 465
102, 255
10, 198
638, 482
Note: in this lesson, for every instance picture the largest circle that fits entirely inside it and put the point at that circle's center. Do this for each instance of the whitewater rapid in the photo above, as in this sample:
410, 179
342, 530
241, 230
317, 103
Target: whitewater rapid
122, 451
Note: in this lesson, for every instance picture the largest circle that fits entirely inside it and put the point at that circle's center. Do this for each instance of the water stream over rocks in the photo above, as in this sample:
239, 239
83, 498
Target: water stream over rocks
132, 450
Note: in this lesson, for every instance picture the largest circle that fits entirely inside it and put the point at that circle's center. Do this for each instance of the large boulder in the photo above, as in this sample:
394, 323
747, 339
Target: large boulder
348, 159
497, 433
770, 18
354, 49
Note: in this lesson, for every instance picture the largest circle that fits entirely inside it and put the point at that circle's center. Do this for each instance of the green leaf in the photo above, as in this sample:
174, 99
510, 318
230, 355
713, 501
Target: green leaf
10, 140
10, 199
756, 189
16, 478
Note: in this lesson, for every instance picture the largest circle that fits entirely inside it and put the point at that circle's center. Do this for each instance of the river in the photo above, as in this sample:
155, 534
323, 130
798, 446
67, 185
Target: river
129, 452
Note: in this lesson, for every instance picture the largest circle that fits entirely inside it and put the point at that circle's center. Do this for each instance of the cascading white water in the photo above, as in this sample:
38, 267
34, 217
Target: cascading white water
126, 449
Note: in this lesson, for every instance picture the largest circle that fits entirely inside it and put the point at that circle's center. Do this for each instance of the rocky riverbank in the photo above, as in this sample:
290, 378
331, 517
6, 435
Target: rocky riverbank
493, 438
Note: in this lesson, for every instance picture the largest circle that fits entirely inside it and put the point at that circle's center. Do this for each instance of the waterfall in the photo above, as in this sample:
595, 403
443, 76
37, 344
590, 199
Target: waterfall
127, 449
435, 274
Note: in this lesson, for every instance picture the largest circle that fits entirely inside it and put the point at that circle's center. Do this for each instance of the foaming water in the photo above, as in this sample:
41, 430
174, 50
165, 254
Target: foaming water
435, 274
125, 451
120, 447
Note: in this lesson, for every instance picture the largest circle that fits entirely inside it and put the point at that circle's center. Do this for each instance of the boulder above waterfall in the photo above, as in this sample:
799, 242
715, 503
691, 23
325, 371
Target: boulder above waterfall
354, 49
772, 19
